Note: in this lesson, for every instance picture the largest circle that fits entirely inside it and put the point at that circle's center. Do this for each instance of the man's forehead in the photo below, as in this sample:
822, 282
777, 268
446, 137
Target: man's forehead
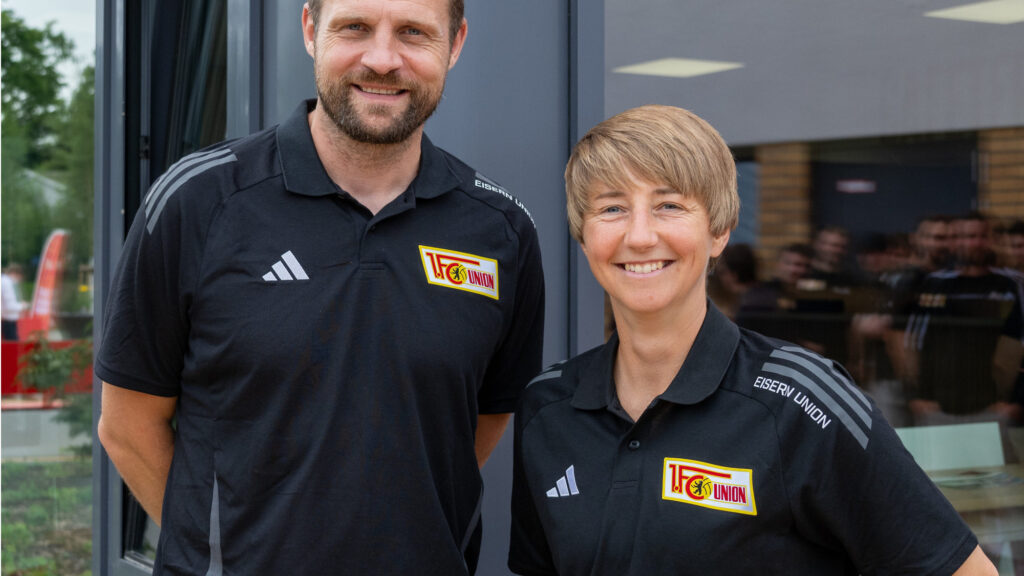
409, 8
970, 226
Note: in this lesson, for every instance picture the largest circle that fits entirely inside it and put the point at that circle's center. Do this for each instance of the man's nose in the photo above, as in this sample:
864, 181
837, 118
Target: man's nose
382, 55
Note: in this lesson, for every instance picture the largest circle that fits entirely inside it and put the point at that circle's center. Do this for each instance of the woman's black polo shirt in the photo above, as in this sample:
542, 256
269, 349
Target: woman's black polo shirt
760, 458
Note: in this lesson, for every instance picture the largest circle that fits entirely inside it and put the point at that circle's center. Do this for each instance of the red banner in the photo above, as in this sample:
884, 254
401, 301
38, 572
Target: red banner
40, 314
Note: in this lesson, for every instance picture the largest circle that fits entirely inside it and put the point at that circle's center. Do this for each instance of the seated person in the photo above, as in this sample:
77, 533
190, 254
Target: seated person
965, 334
686, 445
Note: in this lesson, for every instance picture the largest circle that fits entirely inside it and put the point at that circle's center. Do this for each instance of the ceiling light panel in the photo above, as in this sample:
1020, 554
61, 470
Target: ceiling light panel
992, 12
678, 67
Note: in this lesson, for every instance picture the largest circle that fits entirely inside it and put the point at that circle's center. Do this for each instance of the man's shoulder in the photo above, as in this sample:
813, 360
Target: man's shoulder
202, 179
488, 192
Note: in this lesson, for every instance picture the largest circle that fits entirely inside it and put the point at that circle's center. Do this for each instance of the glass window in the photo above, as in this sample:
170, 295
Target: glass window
47, 196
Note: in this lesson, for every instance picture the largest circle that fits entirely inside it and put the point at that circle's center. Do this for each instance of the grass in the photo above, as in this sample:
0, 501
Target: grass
47, 517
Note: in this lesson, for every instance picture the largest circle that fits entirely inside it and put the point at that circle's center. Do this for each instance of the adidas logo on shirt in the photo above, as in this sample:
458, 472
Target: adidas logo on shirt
566, 485
285, 269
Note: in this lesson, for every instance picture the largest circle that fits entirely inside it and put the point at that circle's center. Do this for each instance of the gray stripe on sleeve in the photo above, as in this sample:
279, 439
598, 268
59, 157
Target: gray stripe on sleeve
161, 183
545, 376
841, 389
821, 397
827, 364
174, 187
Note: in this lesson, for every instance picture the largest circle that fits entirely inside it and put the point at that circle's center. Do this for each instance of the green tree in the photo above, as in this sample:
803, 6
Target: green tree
31, 82
25, 216
72, 165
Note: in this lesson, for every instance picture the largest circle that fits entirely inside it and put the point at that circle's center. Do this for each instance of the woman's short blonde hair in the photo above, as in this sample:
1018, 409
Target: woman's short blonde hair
660, 144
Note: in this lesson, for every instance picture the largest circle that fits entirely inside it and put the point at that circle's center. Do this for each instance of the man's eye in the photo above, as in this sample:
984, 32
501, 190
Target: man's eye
414, 31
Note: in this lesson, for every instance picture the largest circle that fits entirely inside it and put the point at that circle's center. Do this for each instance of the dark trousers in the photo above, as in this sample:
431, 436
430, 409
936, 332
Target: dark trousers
10, 329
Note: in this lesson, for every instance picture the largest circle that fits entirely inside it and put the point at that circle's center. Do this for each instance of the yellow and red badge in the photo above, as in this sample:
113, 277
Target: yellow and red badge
460, 271
710, 486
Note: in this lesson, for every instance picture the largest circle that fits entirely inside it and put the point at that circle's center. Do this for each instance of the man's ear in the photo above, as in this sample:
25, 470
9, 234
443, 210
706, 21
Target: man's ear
457, 44
308, 31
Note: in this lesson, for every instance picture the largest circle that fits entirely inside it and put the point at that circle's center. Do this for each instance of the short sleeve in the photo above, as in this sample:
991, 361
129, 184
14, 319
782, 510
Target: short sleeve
864, 493
145, 326
519, 356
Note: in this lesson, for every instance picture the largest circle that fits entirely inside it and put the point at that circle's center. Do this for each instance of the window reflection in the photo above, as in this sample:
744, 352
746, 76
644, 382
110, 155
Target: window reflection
47, 196
894, 274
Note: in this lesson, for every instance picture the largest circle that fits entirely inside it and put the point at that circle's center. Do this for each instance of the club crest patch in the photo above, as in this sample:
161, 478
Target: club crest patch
460, 271
709, 486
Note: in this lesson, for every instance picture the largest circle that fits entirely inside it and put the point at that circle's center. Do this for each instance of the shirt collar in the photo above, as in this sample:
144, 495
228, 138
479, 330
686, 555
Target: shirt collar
305, 174
699, 377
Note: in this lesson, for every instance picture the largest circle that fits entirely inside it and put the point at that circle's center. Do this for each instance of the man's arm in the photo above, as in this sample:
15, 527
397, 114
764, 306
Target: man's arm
135, 430
977, 564
1006, 365
489, 428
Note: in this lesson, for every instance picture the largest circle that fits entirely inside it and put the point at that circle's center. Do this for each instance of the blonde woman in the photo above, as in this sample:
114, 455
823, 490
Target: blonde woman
686, 445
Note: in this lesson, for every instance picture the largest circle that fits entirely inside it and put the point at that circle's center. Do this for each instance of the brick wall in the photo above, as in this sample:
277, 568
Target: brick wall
784, 200
1001, 173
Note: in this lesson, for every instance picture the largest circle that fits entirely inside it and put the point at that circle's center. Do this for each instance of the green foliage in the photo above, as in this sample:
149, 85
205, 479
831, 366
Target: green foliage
50, 369
47, 517
31, 81
72, 165
25, 216
52, 138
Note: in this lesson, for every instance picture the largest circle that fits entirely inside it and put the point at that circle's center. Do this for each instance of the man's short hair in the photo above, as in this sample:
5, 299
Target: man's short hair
456, 12
932, 219
831, 229
661, 144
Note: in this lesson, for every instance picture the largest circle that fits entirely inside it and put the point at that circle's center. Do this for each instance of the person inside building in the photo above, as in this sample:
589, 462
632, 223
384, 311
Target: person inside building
316, 334
686, 445
734, 275
830, 263
964, 337
780, 293
1013, 246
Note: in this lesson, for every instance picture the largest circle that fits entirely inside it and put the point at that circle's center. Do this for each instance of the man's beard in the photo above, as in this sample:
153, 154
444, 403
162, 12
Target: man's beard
336, 98
976, 257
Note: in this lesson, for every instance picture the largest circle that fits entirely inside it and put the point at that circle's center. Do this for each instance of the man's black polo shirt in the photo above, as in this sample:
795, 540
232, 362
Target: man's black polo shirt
760, 458
956, 325
330, 363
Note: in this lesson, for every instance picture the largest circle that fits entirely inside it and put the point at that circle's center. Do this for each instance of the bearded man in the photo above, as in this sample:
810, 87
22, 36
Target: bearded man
337, 317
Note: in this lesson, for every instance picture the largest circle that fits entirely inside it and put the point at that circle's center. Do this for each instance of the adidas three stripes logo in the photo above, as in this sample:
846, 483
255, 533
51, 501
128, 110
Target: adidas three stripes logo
285, 269
566, 485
